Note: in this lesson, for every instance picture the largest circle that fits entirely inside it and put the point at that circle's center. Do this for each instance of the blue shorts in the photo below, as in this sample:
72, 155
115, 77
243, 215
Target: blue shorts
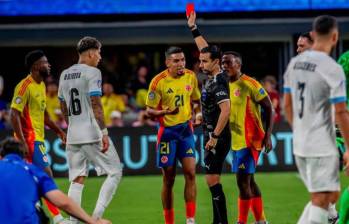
39, 156
245, 161
175, 142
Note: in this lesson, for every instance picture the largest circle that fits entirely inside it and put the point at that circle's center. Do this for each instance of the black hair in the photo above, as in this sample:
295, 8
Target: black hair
32, 57
11, 146
88, 43
306, 35
214, 50
323, 25
173, 50
235, 55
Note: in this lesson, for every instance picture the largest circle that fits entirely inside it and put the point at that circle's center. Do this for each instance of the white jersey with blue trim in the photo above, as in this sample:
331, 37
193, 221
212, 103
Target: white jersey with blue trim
76, 85
316, 82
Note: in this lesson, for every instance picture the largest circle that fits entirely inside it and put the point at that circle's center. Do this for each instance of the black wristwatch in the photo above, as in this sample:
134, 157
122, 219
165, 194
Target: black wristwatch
214, 136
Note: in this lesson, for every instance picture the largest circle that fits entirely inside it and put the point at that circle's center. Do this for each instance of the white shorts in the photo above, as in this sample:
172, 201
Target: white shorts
319, 174
81, 155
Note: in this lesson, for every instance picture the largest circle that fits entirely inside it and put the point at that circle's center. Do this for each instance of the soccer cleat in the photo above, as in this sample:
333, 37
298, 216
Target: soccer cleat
333, 220
190, 221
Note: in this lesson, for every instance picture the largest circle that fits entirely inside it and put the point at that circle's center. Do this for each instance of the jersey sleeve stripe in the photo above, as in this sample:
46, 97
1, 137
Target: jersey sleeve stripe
339, 99
24, 86
286, 90
157, 80
223, 101
250, 80
96, 93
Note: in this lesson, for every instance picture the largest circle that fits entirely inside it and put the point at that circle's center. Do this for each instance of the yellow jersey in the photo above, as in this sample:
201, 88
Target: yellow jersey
29, 98
166, 92
245, 115
52, 104
111, 103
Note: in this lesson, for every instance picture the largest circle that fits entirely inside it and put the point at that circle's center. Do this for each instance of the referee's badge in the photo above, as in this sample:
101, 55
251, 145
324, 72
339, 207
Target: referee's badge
151, 95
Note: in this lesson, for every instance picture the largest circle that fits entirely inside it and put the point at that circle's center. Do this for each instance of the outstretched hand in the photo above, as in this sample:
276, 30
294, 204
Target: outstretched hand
192, 19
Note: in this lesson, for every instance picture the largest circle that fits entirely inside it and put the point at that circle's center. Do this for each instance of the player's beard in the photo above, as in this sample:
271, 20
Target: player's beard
44, 73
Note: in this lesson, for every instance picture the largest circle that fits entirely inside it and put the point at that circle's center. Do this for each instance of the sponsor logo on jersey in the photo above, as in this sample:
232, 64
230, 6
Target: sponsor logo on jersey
221, 93
242, 166
151, 95
45, 159
18, 100
237, 92
188, 87
190, 151
169, 91
164, 159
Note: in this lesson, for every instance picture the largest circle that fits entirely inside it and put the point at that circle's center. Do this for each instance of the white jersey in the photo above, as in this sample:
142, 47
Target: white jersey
316, 82
76, 85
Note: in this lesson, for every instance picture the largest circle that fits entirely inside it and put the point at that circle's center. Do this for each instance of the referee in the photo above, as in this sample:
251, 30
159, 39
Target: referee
215, 101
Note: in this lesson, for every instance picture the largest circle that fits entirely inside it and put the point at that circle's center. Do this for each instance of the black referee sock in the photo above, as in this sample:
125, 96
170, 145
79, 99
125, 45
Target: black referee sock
219, 205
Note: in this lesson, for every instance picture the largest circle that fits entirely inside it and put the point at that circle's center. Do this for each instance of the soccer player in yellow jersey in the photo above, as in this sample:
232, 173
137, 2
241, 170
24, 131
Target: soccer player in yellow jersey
29, 116
170, 98
247, 96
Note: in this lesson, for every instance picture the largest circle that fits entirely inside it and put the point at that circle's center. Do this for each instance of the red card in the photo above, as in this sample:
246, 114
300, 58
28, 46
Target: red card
189, 9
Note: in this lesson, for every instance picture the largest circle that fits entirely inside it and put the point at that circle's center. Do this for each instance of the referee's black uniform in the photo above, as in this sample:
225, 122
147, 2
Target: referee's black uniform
214, 91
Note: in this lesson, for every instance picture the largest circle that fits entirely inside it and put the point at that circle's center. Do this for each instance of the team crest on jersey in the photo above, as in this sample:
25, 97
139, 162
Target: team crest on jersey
164, 159
237, 92
188, 87
151, 95
18, 100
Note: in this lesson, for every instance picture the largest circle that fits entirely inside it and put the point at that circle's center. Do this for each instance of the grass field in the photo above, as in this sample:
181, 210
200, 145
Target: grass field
137, 200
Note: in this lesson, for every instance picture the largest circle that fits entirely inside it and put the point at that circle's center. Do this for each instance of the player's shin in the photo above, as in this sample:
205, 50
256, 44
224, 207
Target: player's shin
243, 208
218, 204
54, 211
106, 194
257, 208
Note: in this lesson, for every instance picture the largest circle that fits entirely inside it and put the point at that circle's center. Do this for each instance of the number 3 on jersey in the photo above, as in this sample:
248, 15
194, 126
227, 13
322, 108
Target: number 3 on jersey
301, 87
75, 104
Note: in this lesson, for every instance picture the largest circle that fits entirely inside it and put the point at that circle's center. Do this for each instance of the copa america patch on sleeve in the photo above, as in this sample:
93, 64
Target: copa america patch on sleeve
261, 91
18, 100
151, 95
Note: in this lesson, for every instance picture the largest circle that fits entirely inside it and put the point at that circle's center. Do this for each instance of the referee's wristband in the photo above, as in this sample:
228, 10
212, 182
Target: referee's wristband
105, 131
195, 32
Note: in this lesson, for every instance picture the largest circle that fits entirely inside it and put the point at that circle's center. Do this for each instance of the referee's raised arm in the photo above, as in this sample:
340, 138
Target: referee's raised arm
199, 39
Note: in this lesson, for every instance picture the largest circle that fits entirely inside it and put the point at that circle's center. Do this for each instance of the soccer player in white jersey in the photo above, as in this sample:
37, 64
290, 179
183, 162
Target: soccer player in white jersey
315, 92
87, 139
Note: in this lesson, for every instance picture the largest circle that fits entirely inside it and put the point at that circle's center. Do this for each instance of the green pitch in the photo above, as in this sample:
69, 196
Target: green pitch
138, 198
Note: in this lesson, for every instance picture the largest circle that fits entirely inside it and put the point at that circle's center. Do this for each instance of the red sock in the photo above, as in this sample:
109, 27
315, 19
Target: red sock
52, 208
243, 207
169, 216
190, 208
257, 209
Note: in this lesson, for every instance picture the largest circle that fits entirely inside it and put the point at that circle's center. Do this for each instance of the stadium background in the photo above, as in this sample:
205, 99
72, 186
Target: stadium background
135, 33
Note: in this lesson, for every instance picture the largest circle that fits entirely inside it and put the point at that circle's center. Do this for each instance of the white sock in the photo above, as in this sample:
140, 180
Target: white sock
318, 215
332, 212
106, 194
75, 193
190, 221
58, 218
305, 215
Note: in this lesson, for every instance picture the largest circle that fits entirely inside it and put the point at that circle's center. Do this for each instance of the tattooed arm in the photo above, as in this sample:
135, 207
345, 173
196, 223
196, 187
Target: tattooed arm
99, 116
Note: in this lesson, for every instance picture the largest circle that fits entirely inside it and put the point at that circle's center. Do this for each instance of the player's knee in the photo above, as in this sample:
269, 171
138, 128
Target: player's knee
168, 181
190, 176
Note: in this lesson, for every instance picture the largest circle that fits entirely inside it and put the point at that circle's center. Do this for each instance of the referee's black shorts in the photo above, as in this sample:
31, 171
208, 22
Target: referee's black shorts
214, 159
